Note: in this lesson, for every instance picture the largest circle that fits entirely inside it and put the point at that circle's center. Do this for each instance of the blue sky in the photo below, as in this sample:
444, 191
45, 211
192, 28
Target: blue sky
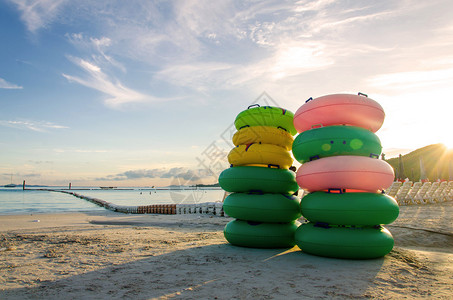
144, 93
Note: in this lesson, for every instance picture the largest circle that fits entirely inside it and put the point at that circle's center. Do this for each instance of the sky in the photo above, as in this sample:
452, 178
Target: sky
145, 93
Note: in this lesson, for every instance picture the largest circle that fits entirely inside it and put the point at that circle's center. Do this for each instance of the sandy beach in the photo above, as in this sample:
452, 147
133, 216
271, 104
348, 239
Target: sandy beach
107, 255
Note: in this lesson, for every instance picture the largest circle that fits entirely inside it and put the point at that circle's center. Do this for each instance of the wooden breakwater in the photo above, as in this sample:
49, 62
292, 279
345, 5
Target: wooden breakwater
211, 208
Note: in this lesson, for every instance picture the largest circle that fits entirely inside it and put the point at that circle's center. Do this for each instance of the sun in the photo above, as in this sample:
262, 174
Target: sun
449, 147
442, 135
448, 142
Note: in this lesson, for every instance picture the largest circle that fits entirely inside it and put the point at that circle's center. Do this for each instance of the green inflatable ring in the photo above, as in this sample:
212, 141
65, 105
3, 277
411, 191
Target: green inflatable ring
245, 179
349, 208
262, 207
344, 242
335, 140
260, 235
266, 116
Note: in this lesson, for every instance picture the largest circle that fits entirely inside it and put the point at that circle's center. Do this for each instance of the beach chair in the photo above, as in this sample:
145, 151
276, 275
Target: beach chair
219, 209
203, 208
393, 189
192, 209
430, 193
448, 192
438, 194
419, 198
410, 197
402, 192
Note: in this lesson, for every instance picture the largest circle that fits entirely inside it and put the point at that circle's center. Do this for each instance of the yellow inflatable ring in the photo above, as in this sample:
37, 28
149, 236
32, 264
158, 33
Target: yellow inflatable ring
261, 154
263, 135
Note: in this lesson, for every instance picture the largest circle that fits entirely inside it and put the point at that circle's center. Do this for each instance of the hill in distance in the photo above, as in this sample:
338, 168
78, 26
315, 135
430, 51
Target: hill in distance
437, 161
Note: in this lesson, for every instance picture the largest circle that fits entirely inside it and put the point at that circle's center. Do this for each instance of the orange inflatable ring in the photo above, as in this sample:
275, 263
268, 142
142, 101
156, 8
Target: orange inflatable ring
340, 109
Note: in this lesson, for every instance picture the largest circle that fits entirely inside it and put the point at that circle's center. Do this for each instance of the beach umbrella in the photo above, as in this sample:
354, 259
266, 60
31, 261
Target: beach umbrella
401, 175
423, 176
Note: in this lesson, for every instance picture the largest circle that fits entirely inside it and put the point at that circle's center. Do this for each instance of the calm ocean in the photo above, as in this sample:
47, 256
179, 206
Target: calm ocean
17, 201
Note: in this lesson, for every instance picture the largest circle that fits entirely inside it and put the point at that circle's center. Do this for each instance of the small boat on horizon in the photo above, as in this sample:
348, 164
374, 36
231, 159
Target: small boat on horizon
11, 185
107, 187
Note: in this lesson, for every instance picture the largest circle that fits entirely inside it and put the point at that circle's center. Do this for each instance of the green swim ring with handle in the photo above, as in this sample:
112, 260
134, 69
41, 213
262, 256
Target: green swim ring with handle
273, 116
334, 141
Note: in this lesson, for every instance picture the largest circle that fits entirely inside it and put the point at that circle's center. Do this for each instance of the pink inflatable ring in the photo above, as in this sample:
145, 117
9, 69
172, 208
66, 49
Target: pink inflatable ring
340, 109
345, 172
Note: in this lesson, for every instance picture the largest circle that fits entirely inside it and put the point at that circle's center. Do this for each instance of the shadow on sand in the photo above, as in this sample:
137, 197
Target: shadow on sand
220, 271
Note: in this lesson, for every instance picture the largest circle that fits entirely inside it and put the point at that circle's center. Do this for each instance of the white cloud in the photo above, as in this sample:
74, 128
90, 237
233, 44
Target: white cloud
288, 60
96, 79
96, 48
198, 76
412, 80
99, 73
292, 60
210, 45
304, 6
40, 126
38, 13
60, 150
8, 85
175, 173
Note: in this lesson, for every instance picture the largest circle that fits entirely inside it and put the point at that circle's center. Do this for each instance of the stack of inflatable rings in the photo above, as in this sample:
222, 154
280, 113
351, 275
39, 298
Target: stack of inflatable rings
341, 169
262, 187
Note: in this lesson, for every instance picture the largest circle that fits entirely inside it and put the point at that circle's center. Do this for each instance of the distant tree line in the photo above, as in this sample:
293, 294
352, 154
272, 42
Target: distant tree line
437, 161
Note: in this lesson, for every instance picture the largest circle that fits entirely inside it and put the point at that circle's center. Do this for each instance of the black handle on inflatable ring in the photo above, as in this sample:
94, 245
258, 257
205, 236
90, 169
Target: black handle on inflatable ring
322, 225
372, 155
257, 105
253, 223
362, 94
280, 127
315, 157
256, 192
309, 99
272, 165
244, 126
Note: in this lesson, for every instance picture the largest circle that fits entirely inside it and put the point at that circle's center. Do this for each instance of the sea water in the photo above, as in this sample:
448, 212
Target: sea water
18, 201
